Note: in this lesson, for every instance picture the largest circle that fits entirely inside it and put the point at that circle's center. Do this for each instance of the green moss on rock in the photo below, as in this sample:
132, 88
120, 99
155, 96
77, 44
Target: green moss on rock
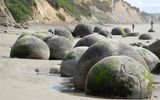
119, 77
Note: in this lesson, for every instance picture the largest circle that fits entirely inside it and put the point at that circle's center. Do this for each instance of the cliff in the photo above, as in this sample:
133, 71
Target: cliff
60, 11
5, 16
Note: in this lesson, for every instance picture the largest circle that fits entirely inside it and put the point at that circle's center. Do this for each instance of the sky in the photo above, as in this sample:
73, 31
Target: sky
150, 6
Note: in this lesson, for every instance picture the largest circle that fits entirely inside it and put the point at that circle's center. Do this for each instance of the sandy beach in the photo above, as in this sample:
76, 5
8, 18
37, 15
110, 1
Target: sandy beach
19, 81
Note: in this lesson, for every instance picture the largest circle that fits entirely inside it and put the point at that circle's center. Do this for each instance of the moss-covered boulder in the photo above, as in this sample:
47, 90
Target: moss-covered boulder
155, 48
133, 34
118, 31
105, 33
82, 30
90, 40
150, 58
119, 77
99, 51
63, 32
70, 61
145, 37
127, 30
30, 47
59, 47
97, 29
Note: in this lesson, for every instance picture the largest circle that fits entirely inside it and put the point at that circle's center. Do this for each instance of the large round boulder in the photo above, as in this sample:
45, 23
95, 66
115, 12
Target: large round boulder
30, 47
99, 51
70, 61
63, 32
82, 30
118, 31
155, 48
119, 77
150, 58
90, 40
59, 47
145, 37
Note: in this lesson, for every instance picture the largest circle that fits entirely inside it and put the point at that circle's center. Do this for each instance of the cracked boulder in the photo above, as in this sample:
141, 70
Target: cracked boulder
119, 77
70, 61
30, 47
59, 47
99, 51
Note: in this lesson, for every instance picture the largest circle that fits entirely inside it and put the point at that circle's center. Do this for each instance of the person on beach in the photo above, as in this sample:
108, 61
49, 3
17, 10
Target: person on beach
151, 24
133, 26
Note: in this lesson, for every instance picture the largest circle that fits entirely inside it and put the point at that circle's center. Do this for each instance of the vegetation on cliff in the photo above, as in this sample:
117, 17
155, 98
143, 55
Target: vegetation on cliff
73, 9
21, 10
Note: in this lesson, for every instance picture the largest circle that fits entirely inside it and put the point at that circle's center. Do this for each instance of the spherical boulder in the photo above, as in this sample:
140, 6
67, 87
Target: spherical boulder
127, 30
30, 47
133, 34
99, 51
145, 37
59, 47
63, 32
97, 29
90, 40
119, 77
118, 31
155, 48
105, 33
69, 62
82, 30
150, 58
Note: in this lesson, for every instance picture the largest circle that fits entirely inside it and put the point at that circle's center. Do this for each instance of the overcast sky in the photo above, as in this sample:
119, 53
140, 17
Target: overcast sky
151, 6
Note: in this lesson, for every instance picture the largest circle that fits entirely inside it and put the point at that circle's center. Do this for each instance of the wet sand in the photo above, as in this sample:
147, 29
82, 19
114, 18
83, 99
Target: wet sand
19, 81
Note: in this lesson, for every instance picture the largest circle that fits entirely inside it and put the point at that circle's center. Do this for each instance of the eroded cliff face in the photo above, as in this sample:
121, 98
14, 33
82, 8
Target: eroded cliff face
45, 13
5, 15
116, 11
108, 11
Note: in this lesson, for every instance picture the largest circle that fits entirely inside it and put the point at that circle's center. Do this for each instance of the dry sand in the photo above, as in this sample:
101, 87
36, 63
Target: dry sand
19, 81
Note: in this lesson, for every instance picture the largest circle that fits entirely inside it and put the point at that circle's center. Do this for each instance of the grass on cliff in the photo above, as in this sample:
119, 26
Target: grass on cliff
21, 10
73, 9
